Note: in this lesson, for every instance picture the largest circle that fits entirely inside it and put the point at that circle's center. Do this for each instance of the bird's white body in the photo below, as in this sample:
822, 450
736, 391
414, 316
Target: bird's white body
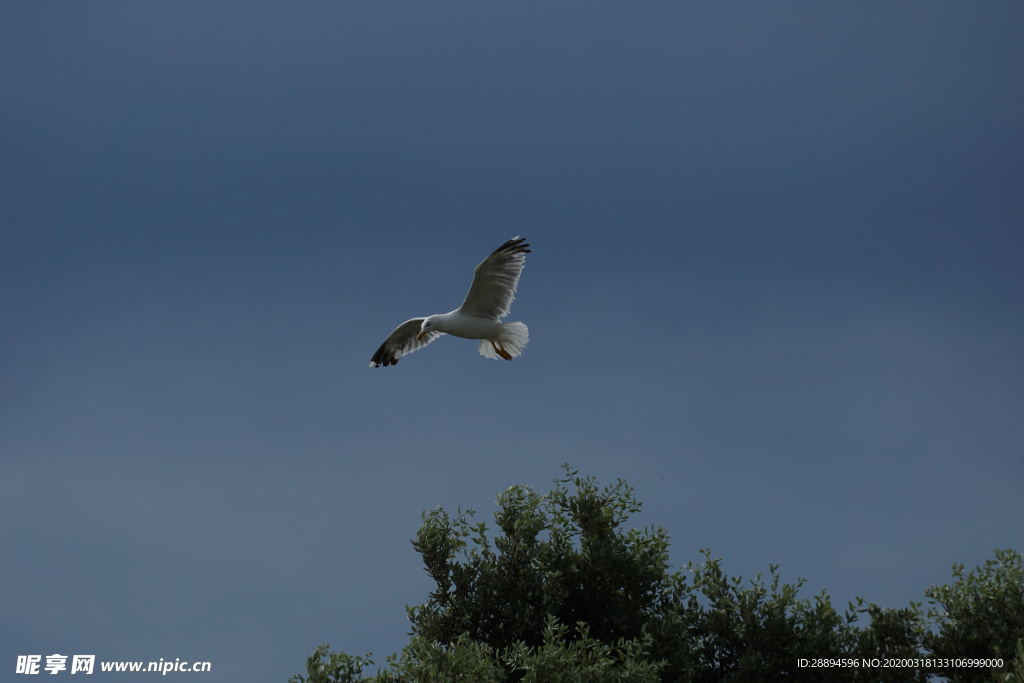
479, 317
458, 324
497, 339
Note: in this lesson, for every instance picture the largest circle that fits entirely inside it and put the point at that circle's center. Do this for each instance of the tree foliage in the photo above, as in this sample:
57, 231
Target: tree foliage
981, 615
567, 591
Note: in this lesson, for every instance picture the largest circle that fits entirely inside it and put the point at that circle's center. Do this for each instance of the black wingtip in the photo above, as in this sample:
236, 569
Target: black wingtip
514, 245
382, 357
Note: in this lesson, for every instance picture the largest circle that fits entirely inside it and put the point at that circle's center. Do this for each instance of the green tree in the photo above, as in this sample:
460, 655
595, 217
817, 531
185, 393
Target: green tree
564, 555
567, 591
979, 616
324, 666
1014, 672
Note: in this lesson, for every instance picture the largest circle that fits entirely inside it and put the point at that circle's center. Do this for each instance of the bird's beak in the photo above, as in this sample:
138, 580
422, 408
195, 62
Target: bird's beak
419, 336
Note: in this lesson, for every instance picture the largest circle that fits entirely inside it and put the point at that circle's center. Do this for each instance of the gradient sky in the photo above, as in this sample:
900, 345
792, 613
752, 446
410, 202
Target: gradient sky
777, 284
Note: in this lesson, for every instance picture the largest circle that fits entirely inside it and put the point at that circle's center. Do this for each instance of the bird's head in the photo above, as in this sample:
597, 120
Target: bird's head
427, 326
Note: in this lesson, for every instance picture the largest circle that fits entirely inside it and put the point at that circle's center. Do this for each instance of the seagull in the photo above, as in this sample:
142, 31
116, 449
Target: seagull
479, 317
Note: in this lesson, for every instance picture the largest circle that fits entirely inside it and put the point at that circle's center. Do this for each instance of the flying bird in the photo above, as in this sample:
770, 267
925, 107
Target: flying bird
479, 317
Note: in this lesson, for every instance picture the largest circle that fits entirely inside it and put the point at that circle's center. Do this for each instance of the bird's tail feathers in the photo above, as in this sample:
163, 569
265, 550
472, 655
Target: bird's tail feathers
512, 340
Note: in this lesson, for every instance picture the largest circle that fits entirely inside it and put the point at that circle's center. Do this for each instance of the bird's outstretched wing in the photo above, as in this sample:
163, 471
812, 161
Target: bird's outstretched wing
401, 342
495, 280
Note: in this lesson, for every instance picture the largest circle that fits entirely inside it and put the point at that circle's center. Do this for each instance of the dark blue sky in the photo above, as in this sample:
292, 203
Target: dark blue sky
776, 284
